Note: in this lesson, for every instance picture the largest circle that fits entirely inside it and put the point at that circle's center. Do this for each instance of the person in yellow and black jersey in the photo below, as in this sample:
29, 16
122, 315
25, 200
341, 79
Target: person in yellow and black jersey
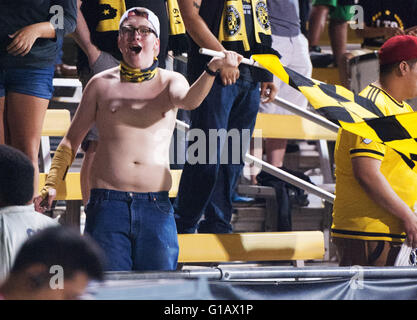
375, 189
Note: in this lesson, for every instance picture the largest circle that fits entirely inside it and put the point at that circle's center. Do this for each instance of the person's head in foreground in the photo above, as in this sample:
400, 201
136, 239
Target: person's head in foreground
138, 39
397, 66
16, 177
56, 263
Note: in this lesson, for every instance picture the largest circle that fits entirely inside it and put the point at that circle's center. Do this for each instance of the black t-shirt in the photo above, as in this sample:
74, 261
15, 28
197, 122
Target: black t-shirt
388, 13
107, 41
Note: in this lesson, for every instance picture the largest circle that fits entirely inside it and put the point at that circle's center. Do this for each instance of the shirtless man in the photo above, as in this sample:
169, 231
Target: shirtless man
129, 213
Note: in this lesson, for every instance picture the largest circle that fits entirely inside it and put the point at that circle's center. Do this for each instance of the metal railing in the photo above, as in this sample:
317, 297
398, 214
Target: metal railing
279, 173
269, 272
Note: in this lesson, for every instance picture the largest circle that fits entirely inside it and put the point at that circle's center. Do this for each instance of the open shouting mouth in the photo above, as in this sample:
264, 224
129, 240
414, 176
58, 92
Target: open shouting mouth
136, 48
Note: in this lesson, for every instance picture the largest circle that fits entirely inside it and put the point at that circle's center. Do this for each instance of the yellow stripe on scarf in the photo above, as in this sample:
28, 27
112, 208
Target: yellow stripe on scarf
260, 19
128, 74
232, 25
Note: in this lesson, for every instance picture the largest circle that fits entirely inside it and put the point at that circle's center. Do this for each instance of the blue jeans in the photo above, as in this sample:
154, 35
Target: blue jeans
136, 230
205, 188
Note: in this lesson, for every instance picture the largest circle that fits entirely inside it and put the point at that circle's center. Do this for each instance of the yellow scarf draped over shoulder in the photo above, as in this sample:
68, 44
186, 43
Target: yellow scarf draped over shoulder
233, 27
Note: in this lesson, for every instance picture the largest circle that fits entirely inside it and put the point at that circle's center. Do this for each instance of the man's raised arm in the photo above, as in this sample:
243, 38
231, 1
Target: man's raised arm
196, 27
81, 35
185, 97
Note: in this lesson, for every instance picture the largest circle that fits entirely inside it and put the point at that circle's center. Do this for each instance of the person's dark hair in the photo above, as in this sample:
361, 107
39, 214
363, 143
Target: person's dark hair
16, 177
61, 246
386, 69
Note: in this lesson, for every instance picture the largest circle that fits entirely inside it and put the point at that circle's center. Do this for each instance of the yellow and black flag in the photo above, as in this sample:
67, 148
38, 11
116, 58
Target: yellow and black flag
352, 112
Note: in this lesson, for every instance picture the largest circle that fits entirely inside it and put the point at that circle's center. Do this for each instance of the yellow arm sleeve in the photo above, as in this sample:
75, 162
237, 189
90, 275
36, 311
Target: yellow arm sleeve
61, 162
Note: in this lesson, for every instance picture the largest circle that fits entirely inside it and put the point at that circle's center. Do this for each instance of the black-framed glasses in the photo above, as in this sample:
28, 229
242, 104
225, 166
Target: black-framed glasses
143, 31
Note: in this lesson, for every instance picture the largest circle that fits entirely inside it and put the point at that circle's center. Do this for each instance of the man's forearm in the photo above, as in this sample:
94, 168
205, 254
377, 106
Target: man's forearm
82, 36
203, 36
198, 91
196, 27
63, 158
193, 96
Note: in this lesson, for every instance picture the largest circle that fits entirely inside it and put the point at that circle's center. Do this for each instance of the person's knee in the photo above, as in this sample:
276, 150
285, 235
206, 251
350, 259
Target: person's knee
338, 24
30, 149
319, 12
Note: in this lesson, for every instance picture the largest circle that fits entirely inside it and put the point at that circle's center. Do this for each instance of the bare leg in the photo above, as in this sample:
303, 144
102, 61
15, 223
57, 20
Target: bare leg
86, 169
316, 24
275, 151
338, 39
25, 115
344, 72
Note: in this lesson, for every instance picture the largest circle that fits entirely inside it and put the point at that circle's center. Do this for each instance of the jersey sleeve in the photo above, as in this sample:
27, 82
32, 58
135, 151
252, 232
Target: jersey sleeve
363, 147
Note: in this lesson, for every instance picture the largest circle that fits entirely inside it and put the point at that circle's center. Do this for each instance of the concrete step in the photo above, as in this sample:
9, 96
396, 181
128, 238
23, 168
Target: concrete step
249, 219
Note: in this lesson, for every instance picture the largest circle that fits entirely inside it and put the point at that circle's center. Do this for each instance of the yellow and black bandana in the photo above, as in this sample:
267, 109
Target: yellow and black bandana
128, 74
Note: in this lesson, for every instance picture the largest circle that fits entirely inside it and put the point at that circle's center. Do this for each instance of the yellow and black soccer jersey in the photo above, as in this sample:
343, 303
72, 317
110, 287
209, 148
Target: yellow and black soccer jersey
355, 215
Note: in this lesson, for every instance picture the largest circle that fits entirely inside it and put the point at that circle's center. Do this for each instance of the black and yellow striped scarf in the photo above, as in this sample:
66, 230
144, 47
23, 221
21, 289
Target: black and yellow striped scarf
177, 41
128, 74
232, 25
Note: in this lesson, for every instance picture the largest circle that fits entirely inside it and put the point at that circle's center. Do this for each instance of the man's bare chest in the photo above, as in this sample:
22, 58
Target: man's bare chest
129, 103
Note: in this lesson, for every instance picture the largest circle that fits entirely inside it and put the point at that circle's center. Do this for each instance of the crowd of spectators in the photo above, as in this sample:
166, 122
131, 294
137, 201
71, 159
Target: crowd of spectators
228, 96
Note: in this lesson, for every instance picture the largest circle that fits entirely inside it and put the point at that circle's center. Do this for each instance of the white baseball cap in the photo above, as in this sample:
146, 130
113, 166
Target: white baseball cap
140, 11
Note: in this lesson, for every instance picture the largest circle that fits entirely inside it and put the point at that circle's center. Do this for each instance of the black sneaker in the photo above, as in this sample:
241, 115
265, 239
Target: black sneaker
315, 49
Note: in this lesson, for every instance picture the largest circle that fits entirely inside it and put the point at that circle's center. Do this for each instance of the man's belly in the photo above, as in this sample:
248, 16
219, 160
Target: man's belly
136, 170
